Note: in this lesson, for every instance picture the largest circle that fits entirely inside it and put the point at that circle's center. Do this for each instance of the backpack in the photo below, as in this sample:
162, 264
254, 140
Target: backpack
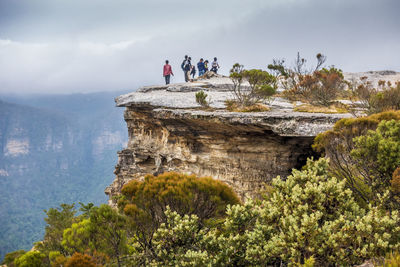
187, 65
183, 64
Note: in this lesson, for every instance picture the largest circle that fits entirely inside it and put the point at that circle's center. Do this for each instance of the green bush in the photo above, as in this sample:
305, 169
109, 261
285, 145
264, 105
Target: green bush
201, 99
10, 257
31, 259
262, 85
145, 202
310, 216
365, 152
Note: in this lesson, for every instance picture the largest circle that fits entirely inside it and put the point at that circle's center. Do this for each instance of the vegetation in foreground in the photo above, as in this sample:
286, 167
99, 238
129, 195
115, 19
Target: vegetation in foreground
318, 216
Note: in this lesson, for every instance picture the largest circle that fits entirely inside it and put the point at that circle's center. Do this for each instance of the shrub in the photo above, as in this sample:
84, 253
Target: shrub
146, 201
392, 260
326, 86
362, 154
262, 85
375, 99
319, 88
80, 260
395, 182
31, 259
201, 99
10, 257
77, 237
57, 221
310, 218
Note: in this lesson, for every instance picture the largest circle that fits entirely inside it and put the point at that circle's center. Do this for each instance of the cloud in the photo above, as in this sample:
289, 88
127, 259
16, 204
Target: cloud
97, 45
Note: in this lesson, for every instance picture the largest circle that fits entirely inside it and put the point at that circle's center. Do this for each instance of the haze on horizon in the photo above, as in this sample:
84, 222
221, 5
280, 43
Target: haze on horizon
70, 46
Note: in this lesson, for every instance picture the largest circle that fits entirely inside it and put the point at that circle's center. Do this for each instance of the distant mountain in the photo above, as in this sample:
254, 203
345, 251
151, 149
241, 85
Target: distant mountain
53, 149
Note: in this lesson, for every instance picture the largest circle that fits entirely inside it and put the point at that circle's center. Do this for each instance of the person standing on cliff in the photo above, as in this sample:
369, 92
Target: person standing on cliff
200, 67
205, 66
186, 66
215, 66
167, 72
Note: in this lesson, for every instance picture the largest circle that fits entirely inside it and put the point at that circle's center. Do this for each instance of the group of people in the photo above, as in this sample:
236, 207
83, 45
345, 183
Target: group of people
189, 69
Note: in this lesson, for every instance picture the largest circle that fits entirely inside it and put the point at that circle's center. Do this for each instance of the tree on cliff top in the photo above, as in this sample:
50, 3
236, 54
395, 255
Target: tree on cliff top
145, 202
262, 85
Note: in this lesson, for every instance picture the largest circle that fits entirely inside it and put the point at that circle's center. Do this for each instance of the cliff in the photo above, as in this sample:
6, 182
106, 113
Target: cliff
168, 131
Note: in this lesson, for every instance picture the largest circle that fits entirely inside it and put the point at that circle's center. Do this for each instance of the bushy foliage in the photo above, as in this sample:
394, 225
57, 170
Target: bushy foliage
325, 86
108, 231
392, 260
176, 241
377, 155
363, 155
395, 182
31, 259
372, 99
57, 259
104, 231
310, 215
145, 202
57, 221
201, 99
77, 237
319, 88
80, 260
262, 85
10, 257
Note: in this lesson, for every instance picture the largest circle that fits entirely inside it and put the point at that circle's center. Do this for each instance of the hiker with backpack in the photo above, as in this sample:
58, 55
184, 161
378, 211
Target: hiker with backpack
186, 67
167, 72
200, 67
215, 66
193, 71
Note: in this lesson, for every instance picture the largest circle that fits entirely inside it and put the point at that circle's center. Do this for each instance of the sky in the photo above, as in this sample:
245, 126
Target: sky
81, 46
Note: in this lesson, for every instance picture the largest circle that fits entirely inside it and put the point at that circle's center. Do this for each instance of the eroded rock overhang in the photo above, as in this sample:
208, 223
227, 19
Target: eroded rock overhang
168, 131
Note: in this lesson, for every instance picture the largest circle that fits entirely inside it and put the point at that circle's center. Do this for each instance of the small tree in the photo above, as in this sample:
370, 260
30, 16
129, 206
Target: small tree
324, 86
57, 221
108, 228
262, 85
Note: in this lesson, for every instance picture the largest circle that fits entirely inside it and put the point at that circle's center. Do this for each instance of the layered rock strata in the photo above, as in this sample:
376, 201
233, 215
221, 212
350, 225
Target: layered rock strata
169, 132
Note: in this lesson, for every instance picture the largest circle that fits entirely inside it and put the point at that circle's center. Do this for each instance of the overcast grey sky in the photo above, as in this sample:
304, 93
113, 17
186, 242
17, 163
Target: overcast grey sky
66, 46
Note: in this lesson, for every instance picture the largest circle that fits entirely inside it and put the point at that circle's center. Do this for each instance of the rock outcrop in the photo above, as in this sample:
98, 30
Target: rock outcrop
168, 131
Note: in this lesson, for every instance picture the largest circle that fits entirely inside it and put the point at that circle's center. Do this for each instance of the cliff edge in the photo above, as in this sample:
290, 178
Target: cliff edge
168, 131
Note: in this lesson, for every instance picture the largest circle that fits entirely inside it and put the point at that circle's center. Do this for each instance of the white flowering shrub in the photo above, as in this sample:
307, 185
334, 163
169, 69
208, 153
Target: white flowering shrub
176, 243
312, 214
309, 217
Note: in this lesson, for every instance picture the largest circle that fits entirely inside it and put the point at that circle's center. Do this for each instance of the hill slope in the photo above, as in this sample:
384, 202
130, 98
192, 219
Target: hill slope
53, 149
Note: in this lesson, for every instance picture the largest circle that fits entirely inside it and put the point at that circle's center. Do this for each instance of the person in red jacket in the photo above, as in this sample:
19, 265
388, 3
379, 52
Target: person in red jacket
167, 72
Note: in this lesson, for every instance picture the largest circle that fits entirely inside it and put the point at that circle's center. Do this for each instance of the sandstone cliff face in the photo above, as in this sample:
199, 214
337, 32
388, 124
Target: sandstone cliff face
168, 132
